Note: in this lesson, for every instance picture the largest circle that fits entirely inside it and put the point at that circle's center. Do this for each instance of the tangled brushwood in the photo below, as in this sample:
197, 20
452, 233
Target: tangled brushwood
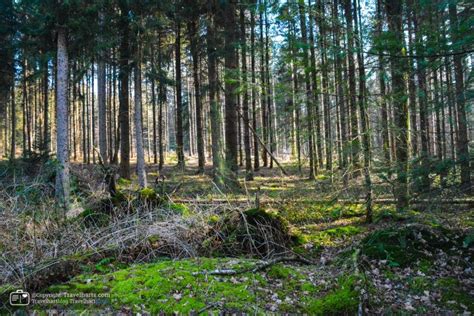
41, 245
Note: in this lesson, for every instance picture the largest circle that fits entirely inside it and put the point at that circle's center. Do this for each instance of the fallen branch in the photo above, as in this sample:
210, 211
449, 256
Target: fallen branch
258, 268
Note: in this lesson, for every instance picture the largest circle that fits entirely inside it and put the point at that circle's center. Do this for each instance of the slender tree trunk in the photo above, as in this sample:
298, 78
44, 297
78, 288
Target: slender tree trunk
124, 71
364, 118
423, 104
193, 27
352, 87
179, 101
62, 177
13, 120
263, 106
102, 93
46, 136
245, 100
256, 165
314, 81
340, 93
142, 182
309, 95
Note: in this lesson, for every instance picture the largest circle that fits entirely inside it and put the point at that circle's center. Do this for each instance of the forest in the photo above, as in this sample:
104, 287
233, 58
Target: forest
227, 157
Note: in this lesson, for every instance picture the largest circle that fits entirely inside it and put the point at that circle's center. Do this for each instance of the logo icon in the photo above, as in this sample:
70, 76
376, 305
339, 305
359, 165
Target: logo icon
19, 298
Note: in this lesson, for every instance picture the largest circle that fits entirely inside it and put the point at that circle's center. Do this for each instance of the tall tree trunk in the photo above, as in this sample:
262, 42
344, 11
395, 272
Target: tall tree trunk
102, 93
355, 143
215, 111
263, 106
13, 119
424, 184
193, 28
230, 62
399, 99
462, 137
124, 72
340, 91
412, 93
245, 99
138, 120
364, 118
46, 137
179, 101
309, 95
62, 177
256, 164
314, 81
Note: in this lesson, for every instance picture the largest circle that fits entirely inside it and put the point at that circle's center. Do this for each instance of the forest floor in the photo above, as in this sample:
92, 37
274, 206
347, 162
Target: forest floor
279, 244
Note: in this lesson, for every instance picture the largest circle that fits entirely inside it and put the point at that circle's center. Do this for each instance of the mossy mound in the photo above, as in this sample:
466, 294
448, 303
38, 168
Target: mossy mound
183, 287
406, 245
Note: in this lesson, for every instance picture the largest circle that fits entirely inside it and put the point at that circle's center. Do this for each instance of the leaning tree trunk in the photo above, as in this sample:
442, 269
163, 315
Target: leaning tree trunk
62, 115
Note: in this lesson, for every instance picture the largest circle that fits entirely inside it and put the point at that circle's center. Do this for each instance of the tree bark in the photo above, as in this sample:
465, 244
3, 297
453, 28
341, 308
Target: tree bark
62, 115
193, 29
245, 99
230, 61
142, 182
179, 101
399, 99
124, 72
462, 136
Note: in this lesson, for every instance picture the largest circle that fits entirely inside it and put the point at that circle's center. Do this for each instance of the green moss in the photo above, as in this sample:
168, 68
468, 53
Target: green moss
330, 236
342, 300
213, 219
306, 213
278, 271
168, 286
148, 194
180, 209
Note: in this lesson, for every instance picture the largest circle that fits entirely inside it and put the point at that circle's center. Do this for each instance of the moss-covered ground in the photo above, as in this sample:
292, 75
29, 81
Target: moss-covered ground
419, 261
